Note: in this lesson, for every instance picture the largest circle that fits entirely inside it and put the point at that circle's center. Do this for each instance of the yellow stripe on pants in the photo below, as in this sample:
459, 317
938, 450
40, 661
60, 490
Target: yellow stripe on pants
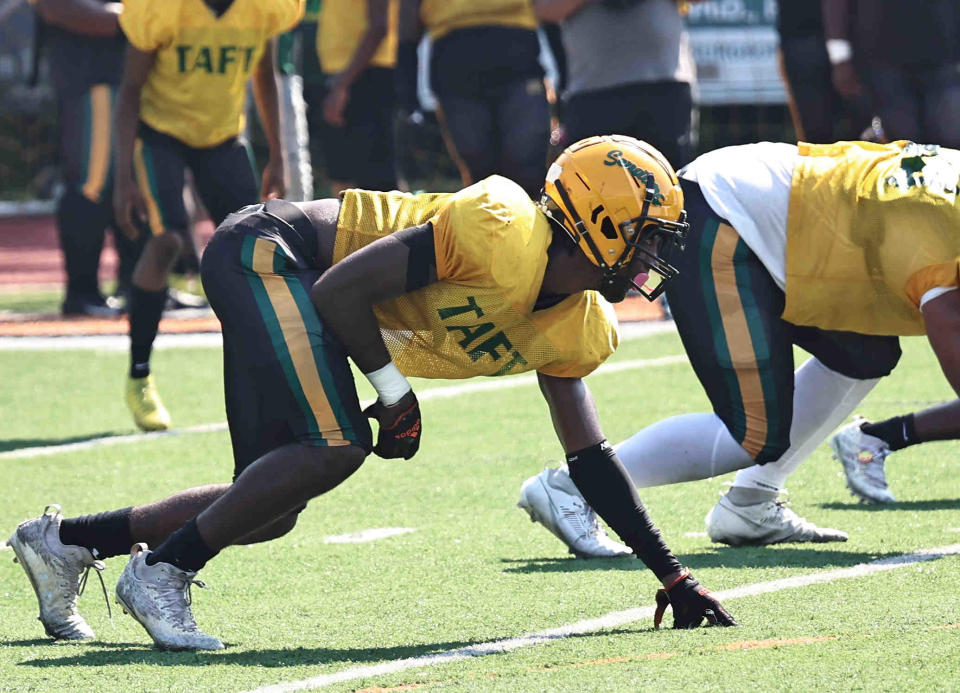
143, 182
297, 340
98, 164
739, 341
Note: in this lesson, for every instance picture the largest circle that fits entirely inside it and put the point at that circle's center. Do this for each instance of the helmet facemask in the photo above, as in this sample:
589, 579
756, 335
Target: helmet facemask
638, 234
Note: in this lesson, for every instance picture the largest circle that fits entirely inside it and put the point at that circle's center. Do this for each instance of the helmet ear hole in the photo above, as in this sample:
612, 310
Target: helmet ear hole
607, 229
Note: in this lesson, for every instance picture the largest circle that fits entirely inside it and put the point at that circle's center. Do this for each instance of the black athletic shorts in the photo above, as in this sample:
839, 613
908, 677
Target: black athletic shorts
223, 175
286, 377
727, 309
362, 153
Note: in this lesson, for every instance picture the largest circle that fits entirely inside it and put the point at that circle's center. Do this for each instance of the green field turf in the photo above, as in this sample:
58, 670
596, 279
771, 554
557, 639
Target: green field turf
475, 569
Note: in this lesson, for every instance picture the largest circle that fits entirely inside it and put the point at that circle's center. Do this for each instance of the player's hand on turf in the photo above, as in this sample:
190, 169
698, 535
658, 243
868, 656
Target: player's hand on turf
272, 186
399, 434
128, 207
692, 603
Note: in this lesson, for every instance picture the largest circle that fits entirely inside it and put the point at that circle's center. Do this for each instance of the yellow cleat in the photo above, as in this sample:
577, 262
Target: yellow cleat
144, 403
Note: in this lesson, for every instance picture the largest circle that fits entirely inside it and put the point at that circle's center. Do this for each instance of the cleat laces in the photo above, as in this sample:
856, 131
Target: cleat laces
98, 566
174, 600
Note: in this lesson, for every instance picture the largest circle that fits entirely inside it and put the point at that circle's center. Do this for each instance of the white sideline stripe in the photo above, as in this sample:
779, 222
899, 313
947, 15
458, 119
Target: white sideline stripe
425, 396
106, 441
367, 535
109, 342
611, 620
121, 342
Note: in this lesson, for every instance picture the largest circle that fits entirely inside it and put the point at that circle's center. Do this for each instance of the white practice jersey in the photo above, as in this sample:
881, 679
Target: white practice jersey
749, 186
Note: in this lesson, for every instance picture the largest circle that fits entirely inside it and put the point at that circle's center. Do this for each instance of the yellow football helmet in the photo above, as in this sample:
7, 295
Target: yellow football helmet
617, 196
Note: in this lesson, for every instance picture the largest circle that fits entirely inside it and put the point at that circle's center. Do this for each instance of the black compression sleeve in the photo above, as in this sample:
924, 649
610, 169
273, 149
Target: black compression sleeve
422, 259
608, 489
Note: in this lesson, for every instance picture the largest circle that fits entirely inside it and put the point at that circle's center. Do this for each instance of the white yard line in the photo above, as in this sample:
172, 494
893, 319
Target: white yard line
611, 620
366, 535
525, 380
108, 342
117, 342
41, 450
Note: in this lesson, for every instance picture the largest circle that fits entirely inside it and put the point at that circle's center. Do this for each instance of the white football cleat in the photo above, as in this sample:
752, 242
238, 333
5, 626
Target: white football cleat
158, 597
769, 522
863, 457
58, 573
552, 499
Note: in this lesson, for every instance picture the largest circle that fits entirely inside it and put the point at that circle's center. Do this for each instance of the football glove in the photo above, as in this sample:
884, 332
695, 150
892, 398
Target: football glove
691, 604
399, 434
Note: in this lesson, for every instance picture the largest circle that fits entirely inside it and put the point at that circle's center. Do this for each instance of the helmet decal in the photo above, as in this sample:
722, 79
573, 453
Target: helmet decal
615, 158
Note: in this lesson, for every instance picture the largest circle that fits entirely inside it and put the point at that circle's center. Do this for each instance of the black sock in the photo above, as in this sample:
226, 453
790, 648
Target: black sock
898, 432
146, 308
108, 533
184, 548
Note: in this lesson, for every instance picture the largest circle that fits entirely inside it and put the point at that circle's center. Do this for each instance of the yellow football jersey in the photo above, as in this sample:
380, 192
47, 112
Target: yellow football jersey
478, 318
871, 228
342, 25
197, 86
440, 17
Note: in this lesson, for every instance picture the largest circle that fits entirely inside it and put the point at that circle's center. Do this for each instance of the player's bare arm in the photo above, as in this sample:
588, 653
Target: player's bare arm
87, 17
344, 297
836, 22
264, 84
942, 318
345, 294
572, 410
127, 201
336, 102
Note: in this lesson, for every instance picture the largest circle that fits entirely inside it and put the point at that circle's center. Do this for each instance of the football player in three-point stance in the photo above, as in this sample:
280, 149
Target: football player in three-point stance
836, 248
181, 105
479, 282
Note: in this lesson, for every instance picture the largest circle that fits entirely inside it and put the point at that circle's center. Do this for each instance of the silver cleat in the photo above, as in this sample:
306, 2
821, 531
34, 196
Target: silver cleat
58, 573
863, 457
552, 499
769, 522
158, 597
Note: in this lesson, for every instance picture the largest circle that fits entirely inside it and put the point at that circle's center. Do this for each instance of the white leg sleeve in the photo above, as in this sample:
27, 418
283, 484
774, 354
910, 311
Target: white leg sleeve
682, 448
822, 400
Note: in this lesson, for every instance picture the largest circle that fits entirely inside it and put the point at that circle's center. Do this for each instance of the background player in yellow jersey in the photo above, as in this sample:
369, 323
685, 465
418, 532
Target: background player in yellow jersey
835, 248
480, 282
181, 105
485, 72
357, 45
